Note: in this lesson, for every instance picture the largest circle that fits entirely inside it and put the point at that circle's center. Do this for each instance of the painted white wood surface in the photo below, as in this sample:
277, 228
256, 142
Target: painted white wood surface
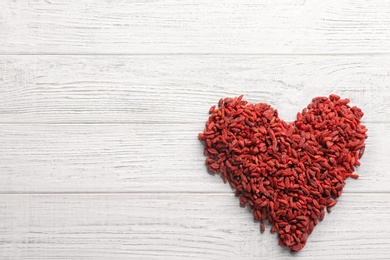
137, 158
176, 26
181, 89
114, 124
179, 226
101, 103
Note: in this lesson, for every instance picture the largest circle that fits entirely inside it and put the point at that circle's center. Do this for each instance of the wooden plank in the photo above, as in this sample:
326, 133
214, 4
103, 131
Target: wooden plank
155, 226
176, 26
181, 89
136, 158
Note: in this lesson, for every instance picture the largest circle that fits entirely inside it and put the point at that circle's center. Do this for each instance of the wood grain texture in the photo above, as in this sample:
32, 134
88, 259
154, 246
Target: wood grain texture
101, 103
175, 26
136, 158
181, 89
163, 226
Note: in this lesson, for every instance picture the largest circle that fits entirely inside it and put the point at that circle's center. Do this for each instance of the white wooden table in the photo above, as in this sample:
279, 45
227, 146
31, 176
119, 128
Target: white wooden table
101, 103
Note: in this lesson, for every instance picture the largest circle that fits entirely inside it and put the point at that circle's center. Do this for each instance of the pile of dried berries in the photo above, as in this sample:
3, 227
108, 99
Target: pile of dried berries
286, 173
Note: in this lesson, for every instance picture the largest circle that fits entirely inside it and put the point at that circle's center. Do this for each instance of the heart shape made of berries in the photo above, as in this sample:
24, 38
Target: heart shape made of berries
287, 173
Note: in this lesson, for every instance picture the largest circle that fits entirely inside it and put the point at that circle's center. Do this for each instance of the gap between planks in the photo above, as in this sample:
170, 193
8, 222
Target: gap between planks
131, 123
158, 193
213, 54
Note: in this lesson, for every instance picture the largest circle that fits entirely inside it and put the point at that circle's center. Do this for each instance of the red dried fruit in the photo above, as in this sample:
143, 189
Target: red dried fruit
286, 173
